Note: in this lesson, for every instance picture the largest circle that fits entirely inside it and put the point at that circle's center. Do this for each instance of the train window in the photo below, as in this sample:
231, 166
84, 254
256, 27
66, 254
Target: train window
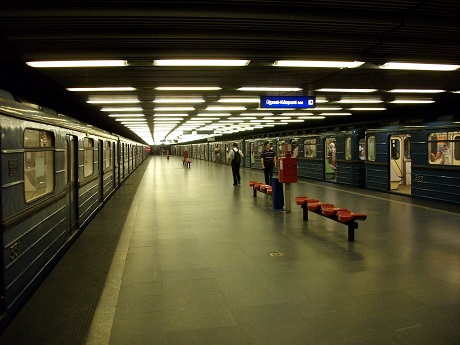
348, 149
66, 152
260, 147
407, 152
456, 146
444, 148
88, 148
310, 148
395, 149
371, 148
108, 154
280, 148
38, 163
362, 149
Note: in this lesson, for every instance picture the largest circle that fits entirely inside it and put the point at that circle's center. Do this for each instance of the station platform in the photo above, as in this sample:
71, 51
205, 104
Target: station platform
181, 256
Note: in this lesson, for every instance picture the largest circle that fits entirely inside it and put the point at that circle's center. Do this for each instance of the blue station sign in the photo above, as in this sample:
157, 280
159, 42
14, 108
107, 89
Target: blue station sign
297, 102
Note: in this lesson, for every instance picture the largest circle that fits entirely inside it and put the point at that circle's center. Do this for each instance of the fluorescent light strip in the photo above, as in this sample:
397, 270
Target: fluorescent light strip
346, 90
335, 114
224, 108
156, 119
86, 89
360, 101
174, 108
368, 109
134, 119
81, 63
320, 64
169, 114
188, 88
214, 114
125, 115
269, 89
312, 117
239, 100
122, 109
411, 101
301, 114
416, 91
419, 66
206, 119
256, 114
114, 101
201, 62
179, 100
326, 108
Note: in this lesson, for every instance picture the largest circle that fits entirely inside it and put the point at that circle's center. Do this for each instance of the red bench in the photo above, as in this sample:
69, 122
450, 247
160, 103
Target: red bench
260, 187
338, 214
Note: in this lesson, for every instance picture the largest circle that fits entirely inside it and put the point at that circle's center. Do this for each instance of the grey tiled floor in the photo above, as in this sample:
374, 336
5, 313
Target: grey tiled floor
194, 266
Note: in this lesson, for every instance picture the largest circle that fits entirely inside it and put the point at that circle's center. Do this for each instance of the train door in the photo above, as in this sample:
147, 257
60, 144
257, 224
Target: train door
330, 159
252, 153
71, 154
400, 163
101, 170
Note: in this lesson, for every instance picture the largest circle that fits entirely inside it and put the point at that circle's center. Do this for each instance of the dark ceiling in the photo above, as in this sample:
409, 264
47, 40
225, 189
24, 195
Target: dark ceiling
262, 31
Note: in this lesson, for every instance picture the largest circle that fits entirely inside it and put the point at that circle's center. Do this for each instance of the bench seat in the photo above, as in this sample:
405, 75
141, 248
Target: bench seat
301, 200
261, 187
329, 210
346, 216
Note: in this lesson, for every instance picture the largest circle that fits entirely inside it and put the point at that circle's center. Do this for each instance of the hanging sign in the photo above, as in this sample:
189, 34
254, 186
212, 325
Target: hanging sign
297, 102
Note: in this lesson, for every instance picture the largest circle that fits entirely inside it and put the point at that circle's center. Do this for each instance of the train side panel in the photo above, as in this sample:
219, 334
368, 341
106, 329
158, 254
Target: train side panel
55, 170
436, 180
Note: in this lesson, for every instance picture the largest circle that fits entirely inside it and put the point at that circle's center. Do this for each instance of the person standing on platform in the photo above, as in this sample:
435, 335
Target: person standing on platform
234, 156
268, 160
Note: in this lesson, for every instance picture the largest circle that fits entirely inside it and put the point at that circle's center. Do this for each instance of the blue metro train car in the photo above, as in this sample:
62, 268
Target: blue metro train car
56, 174
420, 160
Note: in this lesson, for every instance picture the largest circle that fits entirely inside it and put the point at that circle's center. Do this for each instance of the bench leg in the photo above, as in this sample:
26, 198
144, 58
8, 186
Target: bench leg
305, 211
351, 231
255, 192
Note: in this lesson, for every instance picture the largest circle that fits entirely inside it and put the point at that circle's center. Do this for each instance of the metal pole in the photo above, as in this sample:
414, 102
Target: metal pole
287, 200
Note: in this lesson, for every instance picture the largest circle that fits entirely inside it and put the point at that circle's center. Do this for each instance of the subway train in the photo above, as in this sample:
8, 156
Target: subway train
420, 160
57, 173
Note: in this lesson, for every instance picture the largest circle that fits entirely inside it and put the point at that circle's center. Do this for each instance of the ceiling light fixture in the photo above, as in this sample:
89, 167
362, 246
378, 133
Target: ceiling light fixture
101, 89
76, 63
312, 117
269, 89
179, 100
188, 88
114, 101
416, 91
371, 109
335, 114
201, 62
419, 66
411, 101
320, 64
239, 100
360, 101
122, 109
125, 115
346, 90
225, 108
